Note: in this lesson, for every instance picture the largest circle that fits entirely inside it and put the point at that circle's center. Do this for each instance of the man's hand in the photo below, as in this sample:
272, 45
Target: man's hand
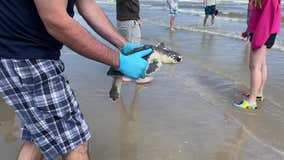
134, 65
139, 23
204, 3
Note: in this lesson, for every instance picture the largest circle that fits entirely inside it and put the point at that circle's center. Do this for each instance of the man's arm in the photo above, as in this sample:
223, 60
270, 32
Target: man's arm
204, 3
97, 19
65, 29
139, 23
169, 2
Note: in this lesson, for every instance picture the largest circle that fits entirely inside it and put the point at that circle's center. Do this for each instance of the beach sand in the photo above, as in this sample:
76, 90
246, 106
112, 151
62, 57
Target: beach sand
184, 114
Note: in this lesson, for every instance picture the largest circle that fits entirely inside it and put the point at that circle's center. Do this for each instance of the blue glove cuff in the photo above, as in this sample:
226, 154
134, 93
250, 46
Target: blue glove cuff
128, 47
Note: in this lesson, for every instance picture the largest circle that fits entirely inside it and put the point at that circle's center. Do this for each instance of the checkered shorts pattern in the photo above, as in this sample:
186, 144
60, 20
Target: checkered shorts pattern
45, 104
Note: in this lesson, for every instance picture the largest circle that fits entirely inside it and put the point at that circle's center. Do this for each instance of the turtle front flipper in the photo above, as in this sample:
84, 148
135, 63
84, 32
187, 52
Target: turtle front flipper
115, 89
153, 66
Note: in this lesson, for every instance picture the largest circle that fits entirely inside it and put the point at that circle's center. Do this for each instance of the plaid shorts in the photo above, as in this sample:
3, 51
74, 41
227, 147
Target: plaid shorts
45, 104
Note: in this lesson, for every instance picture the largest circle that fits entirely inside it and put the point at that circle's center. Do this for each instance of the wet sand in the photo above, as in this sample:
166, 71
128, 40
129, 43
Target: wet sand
184, 114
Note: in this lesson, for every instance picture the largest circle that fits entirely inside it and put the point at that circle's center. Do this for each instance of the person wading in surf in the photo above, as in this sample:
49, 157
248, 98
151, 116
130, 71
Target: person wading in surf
173, 6
210, 9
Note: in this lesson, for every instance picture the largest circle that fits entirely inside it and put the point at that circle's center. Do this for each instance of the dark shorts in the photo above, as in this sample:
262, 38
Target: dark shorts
210, 10
270, 41
45, 104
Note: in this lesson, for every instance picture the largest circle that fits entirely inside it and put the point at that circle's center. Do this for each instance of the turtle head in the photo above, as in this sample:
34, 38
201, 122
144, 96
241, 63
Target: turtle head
167, 54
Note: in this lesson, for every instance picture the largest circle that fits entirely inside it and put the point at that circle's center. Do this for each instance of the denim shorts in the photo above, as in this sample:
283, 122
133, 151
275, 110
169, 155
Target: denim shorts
45, 104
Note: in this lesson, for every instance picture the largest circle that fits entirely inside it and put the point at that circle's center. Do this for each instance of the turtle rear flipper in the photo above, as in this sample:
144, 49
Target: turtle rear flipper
153, 67
114, 72
115, 89
116, 83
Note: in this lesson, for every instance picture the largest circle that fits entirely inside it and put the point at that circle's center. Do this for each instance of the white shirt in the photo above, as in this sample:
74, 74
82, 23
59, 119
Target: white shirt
210, 2
174, 4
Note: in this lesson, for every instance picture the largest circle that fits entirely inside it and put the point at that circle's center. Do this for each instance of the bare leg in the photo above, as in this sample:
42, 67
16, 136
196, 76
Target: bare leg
30, 151
79, 153
212, 20
256, 62
172, 23
263, 75
205, 20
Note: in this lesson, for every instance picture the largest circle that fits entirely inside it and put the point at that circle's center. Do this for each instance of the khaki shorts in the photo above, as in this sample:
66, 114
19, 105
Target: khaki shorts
130, 30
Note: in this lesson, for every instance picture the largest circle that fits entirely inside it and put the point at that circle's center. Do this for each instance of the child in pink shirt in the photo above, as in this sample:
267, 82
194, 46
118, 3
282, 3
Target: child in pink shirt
264, 24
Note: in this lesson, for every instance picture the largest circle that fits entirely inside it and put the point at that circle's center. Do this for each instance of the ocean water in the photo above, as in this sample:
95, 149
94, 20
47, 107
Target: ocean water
223, 51
230, 22
186, 113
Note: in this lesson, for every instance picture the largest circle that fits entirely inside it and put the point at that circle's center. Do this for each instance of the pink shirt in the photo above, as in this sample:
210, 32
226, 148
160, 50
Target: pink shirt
264, 21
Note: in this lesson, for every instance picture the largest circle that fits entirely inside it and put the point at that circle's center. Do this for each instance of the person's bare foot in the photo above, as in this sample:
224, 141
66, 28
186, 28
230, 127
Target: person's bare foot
172, 29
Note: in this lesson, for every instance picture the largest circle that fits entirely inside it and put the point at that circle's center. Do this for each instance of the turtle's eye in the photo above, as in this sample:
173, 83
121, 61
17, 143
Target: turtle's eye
178, 58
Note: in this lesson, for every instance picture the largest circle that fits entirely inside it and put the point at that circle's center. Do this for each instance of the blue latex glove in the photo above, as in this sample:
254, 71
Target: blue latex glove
128, 47
134, 66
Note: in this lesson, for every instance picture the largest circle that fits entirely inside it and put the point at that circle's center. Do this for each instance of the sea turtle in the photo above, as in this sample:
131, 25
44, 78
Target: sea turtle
161, 54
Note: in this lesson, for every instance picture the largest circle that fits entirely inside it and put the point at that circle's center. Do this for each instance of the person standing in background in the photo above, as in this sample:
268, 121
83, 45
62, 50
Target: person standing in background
264, 24
129, 26
173, 6
210, 9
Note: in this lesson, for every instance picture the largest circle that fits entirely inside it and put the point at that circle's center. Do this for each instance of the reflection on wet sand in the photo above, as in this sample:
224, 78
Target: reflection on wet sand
8, 123
244, 64
207, 40
246, 53
129, 126
233, 148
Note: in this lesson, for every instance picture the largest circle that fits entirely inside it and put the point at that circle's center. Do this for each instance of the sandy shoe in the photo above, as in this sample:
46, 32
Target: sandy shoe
244, 104
258, 98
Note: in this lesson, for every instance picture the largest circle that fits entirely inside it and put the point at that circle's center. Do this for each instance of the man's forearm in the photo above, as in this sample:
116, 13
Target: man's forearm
72, 34
97, 19
65, 29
